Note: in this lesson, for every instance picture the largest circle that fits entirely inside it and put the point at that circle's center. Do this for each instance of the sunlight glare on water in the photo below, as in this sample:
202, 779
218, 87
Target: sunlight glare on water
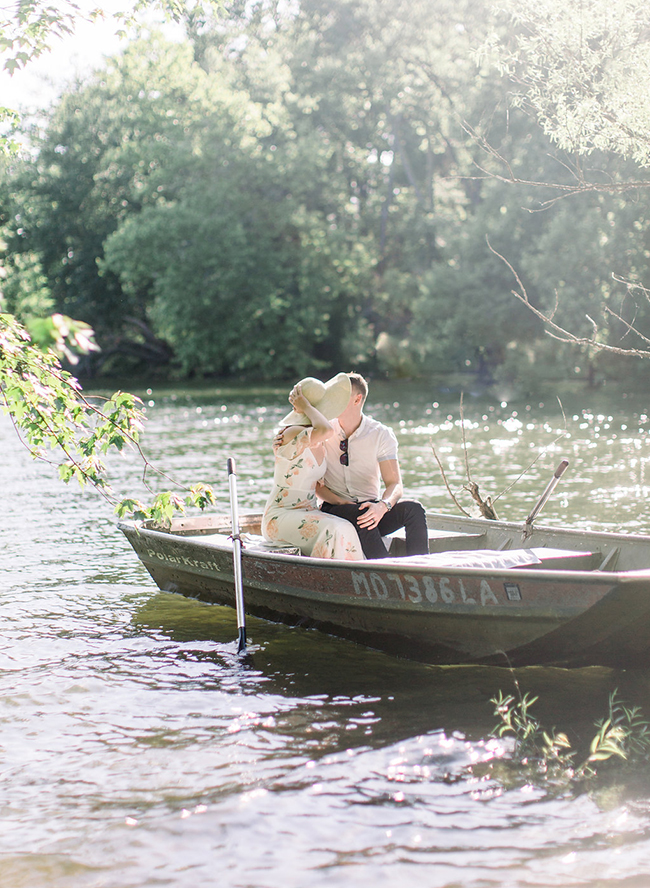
138, 749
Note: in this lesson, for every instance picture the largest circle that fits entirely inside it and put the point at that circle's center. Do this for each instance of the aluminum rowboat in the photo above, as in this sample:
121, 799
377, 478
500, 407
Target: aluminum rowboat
484, 594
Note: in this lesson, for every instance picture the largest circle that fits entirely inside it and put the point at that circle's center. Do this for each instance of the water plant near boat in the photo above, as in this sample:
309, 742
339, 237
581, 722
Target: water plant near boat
546, 757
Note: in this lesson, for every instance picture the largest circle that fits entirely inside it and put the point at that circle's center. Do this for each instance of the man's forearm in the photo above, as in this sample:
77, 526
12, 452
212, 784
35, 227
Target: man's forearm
392, 494
328, 496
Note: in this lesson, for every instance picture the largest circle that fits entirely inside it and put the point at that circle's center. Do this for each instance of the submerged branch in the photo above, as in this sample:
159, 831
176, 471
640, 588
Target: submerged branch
462, 430
486, 506
565, 434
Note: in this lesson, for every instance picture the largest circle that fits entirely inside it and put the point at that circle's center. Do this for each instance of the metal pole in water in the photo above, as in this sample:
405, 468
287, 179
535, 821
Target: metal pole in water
236, 555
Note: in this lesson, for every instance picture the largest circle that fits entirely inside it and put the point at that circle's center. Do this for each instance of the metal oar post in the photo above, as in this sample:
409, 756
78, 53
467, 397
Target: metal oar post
550, 487
236, 555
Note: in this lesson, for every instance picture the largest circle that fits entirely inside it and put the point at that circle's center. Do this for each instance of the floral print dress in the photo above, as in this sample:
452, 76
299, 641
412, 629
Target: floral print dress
292, 514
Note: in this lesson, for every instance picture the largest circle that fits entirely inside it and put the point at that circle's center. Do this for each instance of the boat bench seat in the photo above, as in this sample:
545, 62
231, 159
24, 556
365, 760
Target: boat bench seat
255, 543
567, 559
439, 541
446, 548
497, 559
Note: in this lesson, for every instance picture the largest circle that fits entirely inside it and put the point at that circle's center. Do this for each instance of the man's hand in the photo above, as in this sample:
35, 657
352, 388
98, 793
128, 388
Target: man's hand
372, 516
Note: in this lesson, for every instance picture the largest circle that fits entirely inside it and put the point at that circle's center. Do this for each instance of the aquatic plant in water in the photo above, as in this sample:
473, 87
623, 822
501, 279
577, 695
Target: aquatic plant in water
546, 758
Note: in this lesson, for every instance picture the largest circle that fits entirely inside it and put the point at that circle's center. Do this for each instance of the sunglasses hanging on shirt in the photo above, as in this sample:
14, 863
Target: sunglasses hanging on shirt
344, 458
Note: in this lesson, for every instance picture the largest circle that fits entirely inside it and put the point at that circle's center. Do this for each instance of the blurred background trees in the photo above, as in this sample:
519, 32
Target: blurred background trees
304, 188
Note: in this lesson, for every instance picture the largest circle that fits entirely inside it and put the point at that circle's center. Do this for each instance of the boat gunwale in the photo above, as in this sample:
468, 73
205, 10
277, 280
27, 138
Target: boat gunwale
479, 524
398, 565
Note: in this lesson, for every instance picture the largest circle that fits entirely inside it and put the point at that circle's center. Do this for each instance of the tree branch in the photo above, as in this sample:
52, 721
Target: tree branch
444, 478
561, 333
581, 185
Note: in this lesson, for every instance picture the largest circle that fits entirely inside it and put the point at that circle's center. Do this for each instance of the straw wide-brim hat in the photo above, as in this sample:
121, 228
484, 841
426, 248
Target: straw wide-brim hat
330, 398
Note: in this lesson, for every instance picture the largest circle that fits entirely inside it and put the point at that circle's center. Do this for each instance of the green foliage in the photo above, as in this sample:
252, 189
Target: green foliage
546, 757
581, 68
64, 336
10, 122
545, 750
47, 407
165, 506
102, 158
59, 424
292, 193
261, 299
25, 289
29, 28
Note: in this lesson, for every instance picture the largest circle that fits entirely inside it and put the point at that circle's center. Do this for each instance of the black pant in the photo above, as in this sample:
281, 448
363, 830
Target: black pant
406, 513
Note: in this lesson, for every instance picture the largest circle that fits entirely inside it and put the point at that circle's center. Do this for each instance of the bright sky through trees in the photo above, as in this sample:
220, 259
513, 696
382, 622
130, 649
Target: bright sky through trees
44, 79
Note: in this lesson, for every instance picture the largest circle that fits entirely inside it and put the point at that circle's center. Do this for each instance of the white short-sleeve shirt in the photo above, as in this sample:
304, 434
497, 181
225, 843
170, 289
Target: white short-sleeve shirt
369, 445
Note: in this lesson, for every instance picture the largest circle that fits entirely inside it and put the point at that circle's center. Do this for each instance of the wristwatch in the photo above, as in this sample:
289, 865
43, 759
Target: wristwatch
388, 505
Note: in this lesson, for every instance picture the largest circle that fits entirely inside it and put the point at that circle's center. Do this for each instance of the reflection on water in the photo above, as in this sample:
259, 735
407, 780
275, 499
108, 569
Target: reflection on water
138, 749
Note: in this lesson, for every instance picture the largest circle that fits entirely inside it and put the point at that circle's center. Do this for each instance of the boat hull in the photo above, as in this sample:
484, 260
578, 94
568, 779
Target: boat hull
441, 614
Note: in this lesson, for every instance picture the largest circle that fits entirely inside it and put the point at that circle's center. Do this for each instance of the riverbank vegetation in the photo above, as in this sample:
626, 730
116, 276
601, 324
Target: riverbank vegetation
295, 189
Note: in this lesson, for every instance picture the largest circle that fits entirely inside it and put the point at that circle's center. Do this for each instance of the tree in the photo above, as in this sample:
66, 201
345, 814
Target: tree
580, 70
29, 28
306, 196
255, 267
101, 159
383, 89
45, 402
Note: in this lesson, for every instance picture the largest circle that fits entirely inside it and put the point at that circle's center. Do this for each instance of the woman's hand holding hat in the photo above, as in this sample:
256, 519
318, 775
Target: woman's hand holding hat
330, 398
297, 400
314, 404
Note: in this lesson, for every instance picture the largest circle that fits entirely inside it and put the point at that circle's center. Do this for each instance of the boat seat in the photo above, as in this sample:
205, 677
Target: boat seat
498, 559
567, 559
439, 541
254, 543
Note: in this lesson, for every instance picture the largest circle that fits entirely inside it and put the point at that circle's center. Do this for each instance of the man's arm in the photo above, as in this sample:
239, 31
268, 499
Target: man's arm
392, 480
328, 496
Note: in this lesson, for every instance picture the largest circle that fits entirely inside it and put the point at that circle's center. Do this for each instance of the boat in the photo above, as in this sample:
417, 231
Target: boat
490, 592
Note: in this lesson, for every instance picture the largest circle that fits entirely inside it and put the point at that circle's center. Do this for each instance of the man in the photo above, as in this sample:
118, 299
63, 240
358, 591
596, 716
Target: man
361, 457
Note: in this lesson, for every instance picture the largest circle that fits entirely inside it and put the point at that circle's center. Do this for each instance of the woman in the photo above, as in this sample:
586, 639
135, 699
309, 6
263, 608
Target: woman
291, 513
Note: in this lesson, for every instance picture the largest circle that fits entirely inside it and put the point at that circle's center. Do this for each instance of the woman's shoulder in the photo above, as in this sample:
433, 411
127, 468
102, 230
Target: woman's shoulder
289, 433
294, 439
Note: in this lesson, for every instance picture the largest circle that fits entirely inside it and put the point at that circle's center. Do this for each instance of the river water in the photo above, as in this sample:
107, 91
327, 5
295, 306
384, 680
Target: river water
137, 749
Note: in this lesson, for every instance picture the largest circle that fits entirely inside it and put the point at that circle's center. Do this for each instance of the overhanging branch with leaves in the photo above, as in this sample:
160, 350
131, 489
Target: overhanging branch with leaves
52, 416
